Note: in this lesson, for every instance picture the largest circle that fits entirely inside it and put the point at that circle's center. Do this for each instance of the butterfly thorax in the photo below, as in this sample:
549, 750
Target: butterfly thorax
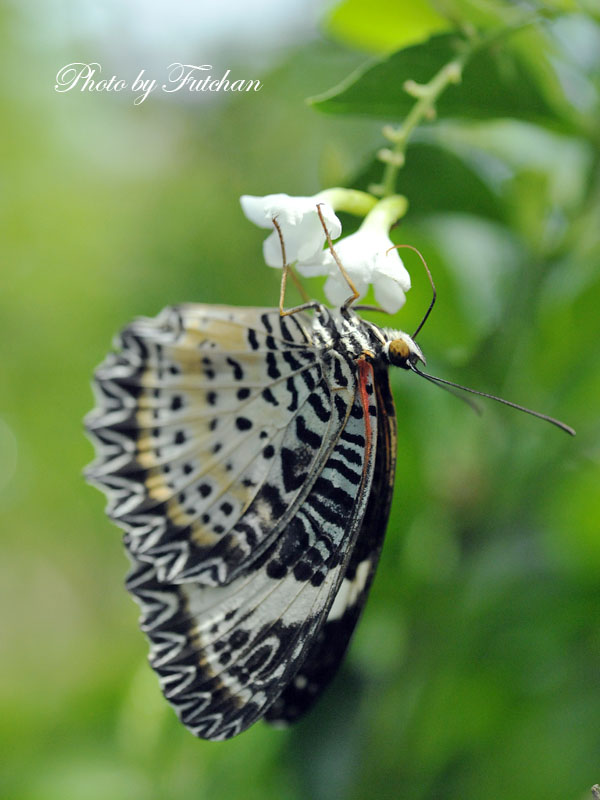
353, 337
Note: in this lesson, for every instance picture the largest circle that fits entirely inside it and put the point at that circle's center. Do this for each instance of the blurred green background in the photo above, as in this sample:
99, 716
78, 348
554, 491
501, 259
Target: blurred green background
476, 670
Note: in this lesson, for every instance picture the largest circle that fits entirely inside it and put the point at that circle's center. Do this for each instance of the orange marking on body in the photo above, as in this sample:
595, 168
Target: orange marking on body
365, 370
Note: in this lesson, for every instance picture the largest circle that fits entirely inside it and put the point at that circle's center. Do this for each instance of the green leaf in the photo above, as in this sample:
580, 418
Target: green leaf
384, 25
376, 89
494, 84
436, 180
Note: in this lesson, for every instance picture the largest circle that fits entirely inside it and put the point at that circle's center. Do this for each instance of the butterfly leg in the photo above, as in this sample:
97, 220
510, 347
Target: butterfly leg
287, 270
355, 293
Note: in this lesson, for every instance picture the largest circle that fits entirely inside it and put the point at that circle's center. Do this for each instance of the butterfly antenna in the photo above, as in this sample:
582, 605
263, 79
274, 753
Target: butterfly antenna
471, 403
444, 383
427, 270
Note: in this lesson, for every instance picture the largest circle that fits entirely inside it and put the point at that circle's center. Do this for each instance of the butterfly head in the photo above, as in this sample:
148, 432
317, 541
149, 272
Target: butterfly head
401, 351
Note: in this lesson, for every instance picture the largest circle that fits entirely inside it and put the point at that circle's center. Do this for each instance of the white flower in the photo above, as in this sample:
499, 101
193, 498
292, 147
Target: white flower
301, 228
367, 258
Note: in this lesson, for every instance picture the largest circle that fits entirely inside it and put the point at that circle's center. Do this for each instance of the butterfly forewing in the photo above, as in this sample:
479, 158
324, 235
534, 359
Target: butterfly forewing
220, 430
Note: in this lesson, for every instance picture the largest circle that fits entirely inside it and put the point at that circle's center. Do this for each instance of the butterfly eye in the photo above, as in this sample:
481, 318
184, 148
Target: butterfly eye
399, 353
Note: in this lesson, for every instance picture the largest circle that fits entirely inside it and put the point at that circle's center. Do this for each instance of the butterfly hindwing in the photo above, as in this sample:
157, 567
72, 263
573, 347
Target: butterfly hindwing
327, 651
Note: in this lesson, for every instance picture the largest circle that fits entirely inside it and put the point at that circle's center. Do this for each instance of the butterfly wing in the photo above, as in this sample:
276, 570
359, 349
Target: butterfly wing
329, 646
232, 612
211, 425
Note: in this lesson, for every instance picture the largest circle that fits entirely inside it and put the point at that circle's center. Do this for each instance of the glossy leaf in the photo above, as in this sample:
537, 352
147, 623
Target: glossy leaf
384, 25
494, 84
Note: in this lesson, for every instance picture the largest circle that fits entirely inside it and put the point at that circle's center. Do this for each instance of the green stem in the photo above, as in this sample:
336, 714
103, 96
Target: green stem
423, 108
427, 95
350, 200
385, 213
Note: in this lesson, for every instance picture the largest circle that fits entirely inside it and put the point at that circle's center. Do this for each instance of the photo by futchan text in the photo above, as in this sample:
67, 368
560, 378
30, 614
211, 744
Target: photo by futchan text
87, 77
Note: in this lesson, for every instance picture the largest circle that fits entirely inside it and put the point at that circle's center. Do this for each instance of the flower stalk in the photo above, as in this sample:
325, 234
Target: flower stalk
426, 96
351, 201
386, 213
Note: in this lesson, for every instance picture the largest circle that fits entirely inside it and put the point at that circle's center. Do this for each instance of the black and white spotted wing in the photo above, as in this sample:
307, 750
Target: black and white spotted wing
331, 642
237, 449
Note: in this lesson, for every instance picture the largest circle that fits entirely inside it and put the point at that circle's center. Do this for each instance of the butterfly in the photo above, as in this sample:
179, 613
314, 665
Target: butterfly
248, 454
249, 458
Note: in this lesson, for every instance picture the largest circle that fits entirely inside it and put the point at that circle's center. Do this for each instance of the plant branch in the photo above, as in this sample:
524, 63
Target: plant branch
426, 96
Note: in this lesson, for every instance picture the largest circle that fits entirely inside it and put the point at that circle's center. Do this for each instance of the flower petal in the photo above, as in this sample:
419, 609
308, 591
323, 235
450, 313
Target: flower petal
300, 225
304, 240
320, 264
334, 226
255, 210
368, 257
388, 293
272, 251
389, 263
337, 290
